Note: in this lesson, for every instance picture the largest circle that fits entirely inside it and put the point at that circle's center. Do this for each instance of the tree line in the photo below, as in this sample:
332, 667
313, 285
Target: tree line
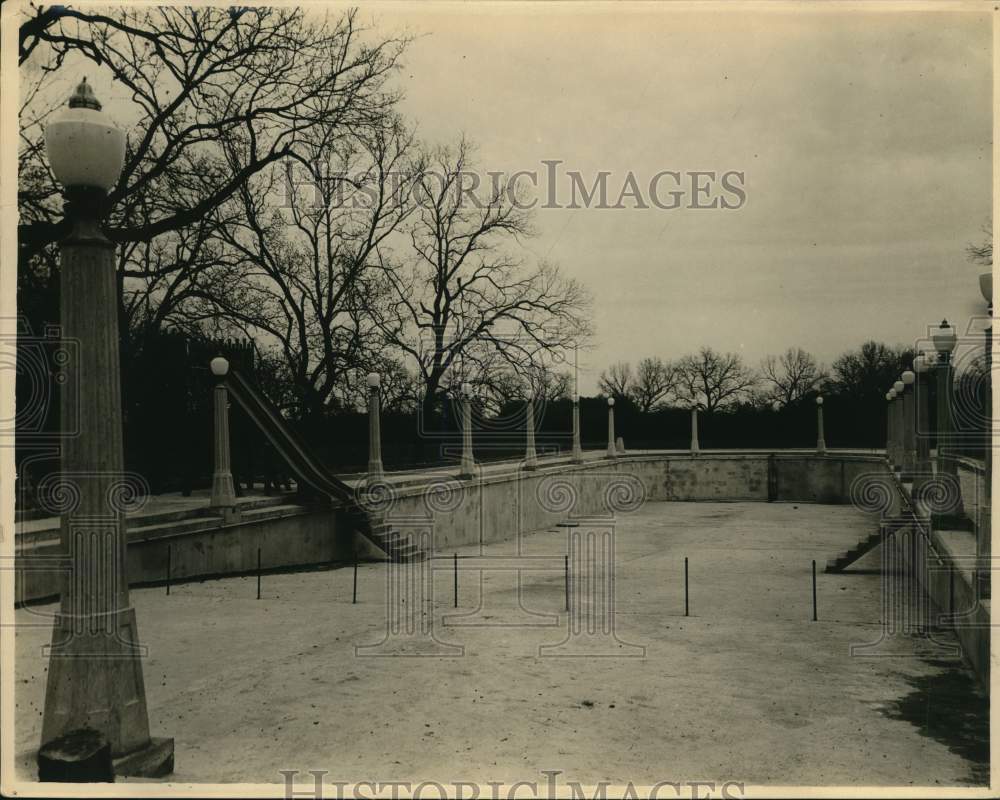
710, 380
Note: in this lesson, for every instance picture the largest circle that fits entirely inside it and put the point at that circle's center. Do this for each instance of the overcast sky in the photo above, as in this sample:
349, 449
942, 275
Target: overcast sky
865, 139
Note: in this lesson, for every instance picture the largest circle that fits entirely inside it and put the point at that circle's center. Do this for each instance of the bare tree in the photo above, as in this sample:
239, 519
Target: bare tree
616, 380
791, 375
399, 389
466, 297
867, 372
305, 275
222, 95
654, 380
982, 253
711, 380
541, 381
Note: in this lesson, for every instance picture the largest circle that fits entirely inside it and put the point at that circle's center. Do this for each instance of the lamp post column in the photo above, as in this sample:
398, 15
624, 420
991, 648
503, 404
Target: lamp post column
909, 426
890, 427
468, 469
95, 672
922, 464
820, 439
612, 452
530, 456
944, 341
223, 493
577, 448
899, 425
695, 448
375, 471
944, 391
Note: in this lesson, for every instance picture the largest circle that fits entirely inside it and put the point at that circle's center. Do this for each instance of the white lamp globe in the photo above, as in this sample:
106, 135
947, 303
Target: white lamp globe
920, 363
898, 387
908, 377
819, 401
219, 366
611, 401
944, 337
374, 379
83, 146
889, 395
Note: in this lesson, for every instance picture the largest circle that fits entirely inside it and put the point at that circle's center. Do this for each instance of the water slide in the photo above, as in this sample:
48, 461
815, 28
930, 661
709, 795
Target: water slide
299, 456
311, 471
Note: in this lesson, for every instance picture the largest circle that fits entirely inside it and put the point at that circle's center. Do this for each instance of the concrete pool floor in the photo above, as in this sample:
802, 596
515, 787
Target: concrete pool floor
746, 689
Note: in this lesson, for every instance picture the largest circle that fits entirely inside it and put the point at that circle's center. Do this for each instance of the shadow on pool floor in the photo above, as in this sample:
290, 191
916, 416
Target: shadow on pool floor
949, 707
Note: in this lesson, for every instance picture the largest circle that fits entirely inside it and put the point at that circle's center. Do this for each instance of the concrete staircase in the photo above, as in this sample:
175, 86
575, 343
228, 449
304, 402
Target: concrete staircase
869, 543
397, 546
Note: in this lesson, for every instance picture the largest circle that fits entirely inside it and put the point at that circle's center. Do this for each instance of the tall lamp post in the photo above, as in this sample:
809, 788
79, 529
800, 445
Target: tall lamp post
695, 446
944, 339
909, 425
530, 456
612, 452
577, 457
898, 426
922, 468
820, 440
375, 471
223, 493
985, 526
890, 432
468, 468
95, 672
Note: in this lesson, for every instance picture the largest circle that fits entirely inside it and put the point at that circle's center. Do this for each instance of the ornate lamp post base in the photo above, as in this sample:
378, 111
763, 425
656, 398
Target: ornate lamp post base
95, 681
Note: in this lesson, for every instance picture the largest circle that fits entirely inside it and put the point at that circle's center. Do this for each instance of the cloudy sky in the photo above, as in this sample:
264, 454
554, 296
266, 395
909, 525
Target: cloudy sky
865, 139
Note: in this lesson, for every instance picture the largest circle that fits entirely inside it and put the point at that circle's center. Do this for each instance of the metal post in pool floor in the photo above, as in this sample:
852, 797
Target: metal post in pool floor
815, 617
685, 586
409, 598
566, 578
592, 616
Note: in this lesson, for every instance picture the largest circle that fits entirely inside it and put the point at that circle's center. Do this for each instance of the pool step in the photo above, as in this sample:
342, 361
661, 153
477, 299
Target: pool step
397, 546
869, 543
